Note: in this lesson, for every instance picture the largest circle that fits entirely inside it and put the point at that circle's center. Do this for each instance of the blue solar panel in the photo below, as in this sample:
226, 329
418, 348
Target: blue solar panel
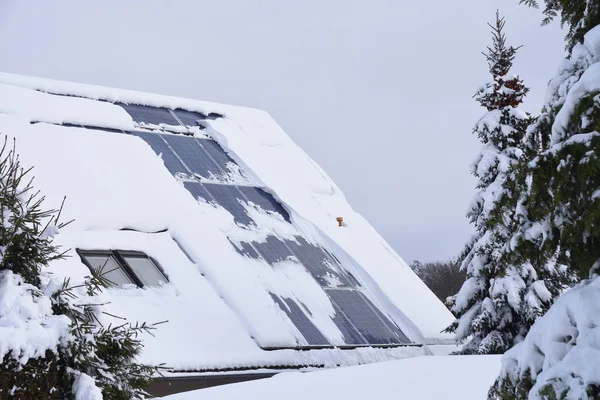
273, 250
218, 154
245, 249
391, 326
149, 115
196, 159
197, 190
229, 198
189, 118
387, 322
322, 267
264, 200
160, 147
351, 335
366, 318
310, 332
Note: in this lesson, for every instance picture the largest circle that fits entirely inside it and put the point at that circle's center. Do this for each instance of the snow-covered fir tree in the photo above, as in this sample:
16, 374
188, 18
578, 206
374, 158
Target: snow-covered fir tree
488, 305
559, 357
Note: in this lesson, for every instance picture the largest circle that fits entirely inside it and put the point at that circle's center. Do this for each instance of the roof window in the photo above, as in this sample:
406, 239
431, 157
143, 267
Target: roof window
122, 267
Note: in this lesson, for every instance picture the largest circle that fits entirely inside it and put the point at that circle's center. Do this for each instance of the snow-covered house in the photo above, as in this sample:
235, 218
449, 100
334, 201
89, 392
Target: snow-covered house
209, 217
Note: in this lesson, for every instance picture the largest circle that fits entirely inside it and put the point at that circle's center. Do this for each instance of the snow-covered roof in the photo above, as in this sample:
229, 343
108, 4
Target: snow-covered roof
241, 221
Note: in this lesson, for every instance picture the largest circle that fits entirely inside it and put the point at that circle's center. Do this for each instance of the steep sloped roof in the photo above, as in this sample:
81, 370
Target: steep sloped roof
242, 222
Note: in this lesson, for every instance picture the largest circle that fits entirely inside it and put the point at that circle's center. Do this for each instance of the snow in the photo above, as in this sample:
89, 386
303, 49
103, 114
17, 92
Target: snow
27, 326
434, 377
577, 77
85, 388
36, 106
217, 302
588, 83
563, 347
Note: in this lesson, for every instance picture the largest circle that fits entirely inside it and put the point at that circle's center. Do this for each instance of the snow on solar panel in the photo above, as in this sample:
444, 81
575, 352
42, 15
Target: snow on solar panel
230, 170
273, 250
191, 118
230, 198
160, 147
310, 332
349, 331
391, 326
322, 267
265, 200
245, 249
197, 190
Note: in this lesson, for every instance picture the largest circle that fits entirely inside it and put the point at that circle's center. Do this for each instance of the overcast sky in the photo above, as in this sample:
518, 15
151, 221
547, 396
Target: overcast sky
378, 92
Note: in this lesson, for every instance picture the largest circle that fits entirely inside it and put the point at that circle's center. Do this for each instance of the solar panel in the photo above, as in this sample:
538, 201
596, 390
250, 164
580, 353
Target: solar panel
149, 115
367, 319
273, 250
160, 147
387, 322
226, 164
216, 152
229, 197
351, 335
360, 322
188, 118
197, 190
196, 159
322, 267
265, 200
310, 332
245, 249
391, 326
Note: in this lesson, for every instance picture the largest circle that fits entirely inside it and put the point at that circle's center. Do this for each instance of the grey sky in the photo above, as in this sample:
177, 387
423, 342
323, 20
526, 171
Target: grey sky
378, 92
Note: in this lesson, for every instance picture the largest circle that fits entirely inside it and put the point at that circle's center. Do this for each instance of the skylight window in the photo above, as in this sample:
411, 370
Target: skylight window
121, 267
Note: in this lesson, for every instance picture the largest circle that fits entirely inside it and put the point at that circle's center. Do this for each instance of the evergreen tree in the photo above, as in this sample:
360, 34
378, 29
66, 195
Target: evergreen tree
488, 305
561, 200
91, 357
560, 222
579, 16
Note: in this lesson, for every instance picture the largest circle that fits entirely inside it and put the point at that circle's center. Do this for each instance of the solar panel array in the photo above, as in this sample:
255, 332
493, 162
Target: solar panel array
210, 174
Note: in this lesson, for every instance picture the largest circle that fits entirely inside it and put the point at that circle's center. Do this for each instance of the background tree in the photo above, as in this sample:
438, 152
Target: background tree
488, 305
443, 278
